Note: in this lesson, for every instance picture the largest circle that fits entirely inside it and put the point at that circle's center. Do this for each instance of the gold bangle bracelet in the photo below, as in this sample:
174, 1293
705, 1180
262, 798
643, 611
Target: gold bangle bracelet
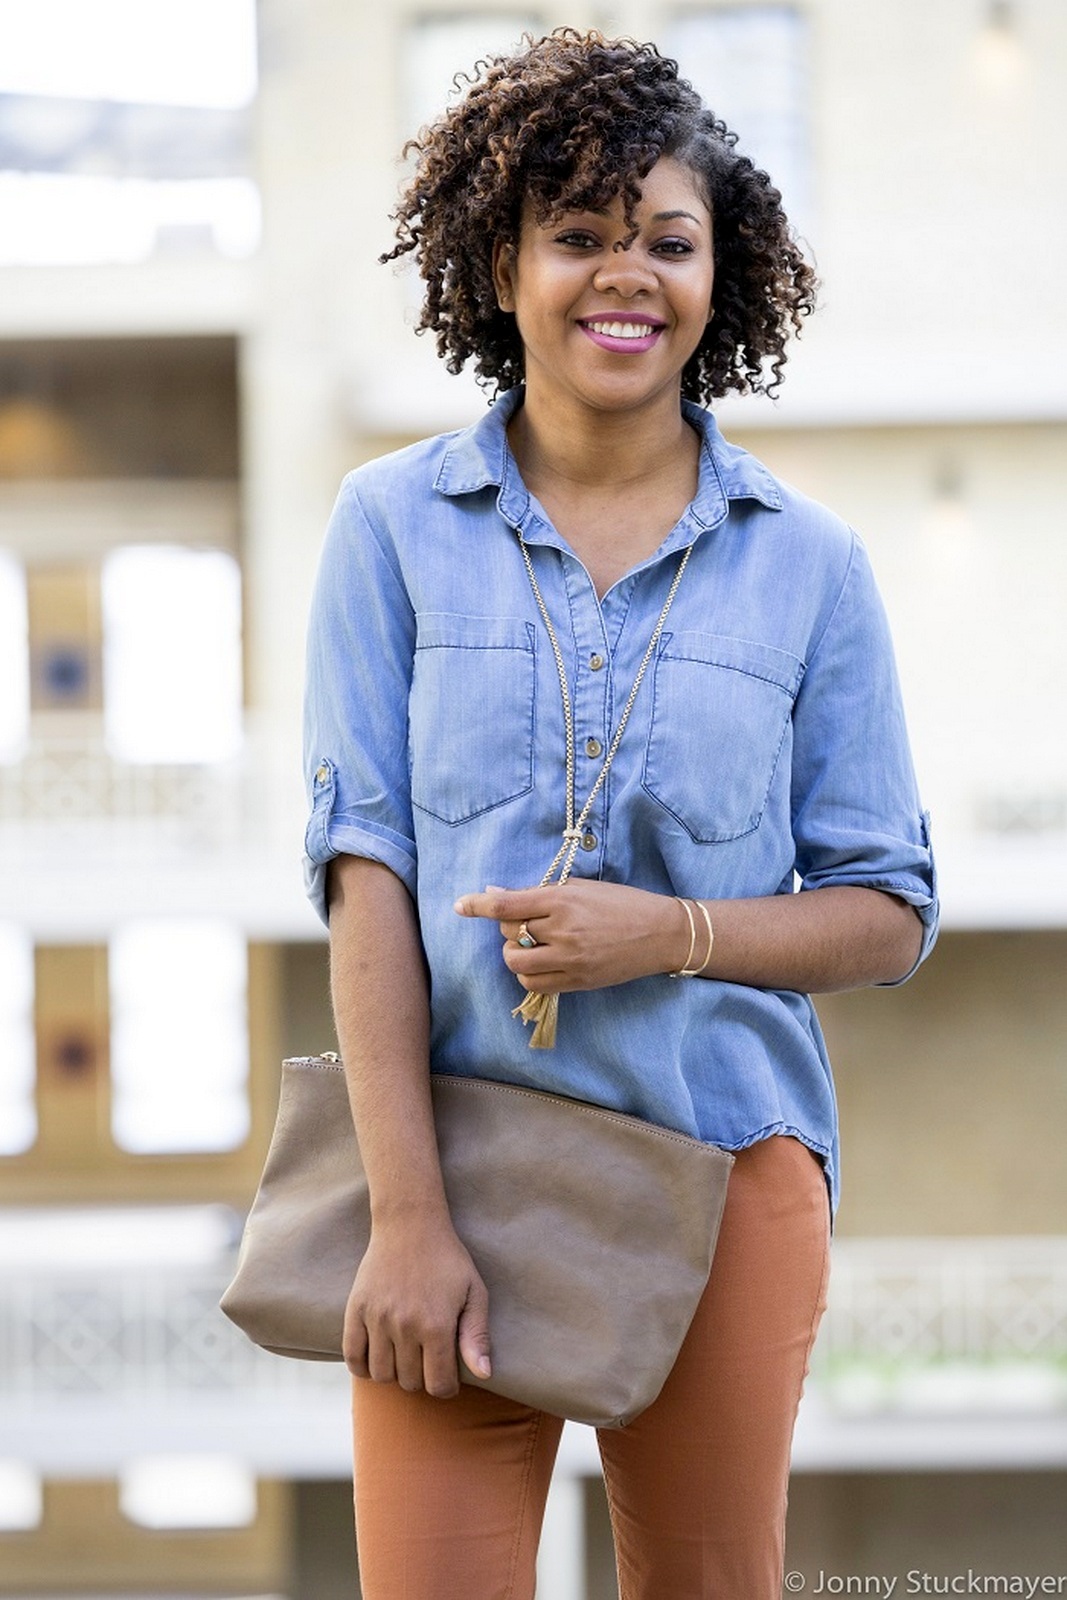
711, 936
682, 970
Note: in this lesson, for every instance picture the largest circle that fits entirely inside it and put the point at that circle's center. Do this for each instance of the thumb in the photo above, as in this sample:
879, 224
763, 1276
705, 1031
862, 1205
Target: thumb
473, 1331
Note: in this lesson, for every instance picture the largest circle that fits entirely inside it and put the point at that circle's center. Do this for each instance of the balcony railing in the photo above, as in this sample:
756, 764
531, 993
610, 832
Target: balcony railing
946, 1325
86, 839
922, 1336
67, 779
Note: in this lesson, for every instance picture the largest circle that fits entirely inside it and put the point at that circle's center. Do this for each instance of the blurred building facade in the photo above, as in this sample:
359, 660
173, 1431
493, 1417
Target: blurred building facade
173, 429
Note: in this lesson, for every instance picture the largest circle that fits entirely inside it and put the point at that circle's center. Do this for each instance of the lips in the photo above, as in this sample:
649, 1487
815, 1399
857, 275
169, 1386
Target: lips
623, 332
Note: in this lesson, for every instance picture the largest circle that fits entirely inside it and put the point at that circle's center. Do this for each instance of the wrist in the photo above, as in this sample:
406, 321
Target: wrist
673, 935
423, 1210
700, 940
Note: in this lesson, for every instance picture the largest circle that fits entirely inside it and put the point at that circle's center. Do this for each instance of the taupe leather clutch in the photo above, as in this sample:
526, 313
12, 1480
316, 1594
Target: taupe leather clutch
594, 1232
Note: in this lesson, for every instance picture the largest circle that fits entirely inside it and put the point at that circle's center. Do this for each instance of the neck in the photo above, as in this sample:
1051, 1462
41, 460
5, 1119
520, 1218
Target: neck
554, 440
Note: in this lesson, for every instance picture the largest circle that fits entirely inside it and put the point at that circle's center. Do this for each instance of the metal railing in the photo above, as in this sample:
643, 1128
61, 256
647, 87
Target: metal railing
934, 1327
946, 1325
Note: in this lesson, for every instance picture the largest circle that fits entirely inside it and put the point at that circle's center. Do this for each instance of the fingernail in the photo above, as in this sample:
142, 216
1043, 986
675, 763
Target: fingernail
495, 888
460, 908
484, 1369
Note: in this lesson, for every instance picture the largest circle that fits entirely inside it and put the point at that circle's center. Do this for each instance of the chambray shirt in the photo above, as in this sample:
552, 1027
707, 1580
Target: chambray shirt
766, 752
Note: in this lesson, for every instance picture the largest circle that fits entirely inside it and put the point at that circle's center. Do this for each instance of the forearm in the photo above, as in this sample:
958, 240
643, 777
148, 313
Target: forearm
816, 942
380, 996
591, 934
417, 1298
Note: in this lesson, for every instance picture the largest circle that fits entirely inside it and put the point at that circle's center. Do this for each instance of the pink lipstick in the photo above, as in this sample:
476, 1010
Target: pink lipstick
623, 332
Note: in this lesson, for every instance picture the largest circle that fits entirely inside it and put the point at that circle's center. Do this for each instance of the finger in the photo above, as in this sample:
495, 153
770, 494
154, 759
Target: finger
504, 905
473, 1341
491, 903
535, 964
440, 1372
354, 1347
547, 982
408, 1359
554, 980
381, 1360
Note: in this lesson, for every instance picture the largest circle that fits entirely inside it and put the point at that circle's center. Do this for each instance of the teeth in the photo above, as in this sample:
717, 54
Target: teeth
623, 330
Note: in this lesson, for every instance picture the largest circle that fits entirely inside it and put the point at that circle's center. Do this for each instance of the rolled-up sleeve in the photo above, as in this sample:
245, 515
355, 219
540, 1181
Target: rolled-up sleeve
359, 663
857, 818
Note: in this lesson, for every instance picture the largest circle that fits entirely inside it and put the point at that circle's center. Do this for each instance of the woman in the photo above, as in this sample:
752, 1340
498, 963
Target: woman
591, 240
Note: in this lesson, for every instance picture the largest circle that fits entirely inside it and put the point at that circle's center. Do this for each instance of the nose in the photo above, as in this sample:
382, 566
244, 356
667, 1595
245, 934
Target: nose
625, 272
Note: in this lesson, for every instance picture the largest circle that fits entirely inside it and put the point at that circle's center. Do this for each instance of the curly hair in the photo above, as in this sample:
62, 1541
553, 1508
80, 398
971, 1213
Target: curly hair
570, 123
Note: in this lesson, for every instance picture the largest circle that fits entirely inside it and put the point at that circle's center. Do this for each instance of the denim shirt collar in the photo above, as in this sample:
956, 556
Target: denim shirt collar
479, 458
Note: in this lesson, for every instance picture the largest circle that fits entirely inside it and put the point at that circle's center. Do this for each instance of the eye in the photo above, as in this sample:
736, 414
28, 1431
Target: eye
673, 247
577, 239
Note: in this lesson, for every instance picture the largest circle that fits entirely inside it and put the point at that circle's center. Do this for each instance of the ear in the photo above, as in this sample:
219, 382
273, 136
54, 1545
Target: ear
504, 274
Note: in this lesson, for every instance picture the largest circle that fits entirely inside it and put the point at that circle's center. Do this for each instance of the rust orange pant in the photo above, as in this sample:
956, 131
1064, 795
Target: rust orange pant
450, 1493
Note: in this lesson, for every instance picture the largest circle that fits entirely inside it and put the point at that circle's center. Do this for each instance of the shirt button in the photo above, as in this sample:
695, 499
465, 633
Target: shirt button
593, 747
595, 663
588, 840
322, 774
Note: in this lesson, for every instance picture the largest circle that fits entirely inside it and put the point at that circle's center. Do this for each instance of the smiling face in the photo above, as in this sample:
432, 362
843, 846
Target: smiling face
607, 319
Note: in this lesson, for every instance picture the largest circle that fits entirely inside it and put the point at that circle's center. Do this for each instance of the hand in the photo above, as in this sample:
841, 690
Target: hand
590, 934
417, 1298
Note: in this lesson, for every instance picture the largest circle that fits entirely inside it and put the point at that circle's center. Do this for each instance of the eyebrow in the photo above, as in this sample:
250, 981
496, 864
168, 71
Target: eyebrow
660, 216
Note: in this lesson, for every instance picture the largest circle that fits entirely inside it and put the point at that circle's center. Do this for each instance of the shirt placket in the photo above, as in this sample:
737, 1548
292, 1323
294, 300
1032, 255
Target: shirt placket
592, 699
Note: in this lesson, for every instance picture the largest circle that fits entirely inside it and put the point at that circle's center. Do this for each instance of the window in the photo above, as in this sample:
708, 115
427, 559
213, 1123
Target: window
21, 1500
63, 219
188, 1492
172, 654
172, 52
14, 659
179, 1035
18, 1050
748, 64
130, 139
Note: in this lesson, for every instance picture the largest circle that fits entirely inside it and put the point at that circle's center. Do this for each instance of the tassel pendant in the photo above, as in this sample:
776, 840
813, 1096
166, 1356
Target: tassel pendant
543, 1011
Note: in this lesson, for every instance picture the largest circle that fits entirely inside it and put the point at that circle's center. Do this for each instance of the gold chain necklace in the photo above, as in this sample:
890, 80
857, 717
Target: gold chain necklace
543, 1009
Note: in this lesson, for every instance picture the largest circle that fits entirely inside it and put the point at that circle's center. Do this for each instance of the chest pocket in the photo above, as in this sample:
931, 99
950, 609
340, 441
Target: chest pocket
720, 715
471, 714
